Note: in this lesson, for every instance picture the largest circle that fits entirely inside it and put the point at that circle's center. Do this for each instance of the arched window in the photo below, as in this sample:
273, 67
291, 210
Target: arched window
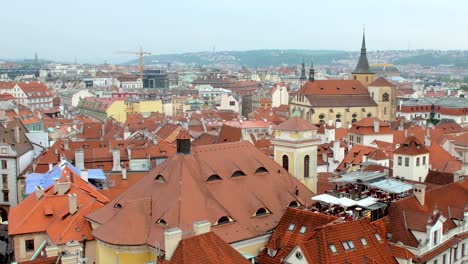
213, 177
286, 162
117, 205
385, 110
354, 120
161, 221
293, 204
306, 166
262, 211
223, 220
354, 115
322, 116
261, 170
238, 173
369, 115
385, 97
160, 178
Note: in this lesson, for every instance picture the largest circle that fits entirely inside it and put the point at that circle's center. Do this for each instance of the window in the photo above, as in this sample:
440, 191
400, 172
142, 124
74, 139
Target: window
463, 250
355, 77
333, 248
4, 164
385, 110
385, 97
223, 220
238, 173
5, 196
160, 178
435, 261
367, 78
378, 237
455, 253
161, 221
424, 160
261, 170
348, 245
444, 259
306, 166
406, 162
298, 255
417, 162
363, 241
303, 229
291, 227
232, 103
293, 204
213, 178
400, 160
5, 181
286, 162
436, 237
29, 244
4, 150
261, 211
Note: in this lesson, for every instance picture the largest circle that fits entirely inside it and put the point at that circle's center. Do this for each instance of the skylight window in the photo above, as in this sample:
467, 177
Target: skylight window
363, 241
379, 238
303, 229
160, 178
261, 170
291, 227
213, 177
262, 211
238, 173
333, 248
348, 245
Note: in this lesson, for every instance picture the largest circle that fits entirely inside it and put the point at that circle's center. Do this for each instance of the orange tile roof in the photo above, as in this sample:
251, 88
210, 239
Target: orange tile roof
365, 126
181, 196
411, 146
204, 139
296, 124
33, 215
206, 248
229, 134
355, 156
382, 82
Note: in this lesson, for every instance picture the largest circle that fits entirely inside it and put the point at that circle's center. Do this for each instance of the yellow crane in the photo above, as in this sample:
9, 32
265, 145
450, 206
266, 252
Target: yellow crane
140, 54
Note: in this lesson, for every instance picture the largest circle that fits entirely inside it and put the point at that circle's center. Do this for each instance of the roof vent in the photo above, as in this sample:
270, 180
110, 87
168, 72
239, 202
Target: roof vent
213, 177
261, 170
238, 173
160, 178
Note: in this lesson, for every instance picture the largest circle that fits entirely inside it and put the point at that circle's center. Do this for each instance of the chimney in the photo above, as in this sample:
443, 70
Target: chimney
427, 138
84, 175
129, 153
79, 159
65, 144
172, 238
376, 125
419, 191
201, 227
406, 133
183, 142
51, 166
17, 135
325, 157
124, 174
39, 192
116, 160
72, 203
127, 133
55, 185
103, 130
63, 187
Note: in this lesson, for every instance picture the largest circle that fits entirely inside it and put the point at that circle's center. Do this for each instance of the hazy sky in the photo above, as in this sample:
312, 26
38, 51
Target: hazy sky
95, 30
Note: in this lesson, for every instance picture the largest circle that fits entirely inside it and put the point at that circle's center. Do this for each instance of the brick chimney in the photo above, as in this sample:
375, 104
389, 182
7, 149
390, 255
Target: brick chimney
419, 191
72, 203
79, 159
201, 227
172, 238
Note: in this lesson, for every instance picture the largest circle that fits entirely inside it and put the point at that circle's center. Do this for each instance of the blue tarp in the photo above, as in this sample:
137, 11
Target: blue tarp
47, 179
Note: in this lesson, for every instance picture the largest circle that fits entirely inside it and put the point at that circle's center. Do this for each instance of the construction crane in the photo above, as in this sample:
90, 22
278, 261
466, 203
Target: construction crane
140, 53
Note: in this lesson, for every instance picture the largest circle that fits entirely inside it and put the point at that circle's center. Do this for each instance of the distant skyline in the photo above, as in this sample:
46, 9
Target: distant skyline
92, 31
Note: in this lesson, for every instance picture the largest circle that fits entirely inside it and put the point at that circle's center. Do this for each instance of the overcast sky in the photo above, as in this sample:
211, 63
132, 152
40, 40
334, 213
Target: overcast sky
95, 30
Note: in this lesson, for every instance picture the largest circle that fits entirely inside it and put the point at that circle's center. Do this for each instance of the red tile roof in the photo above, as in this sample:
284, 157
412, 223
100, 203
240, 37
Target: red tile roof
296, 124
365, 126
205, 248
229, 134
411, 147
333, 87
49, 213
355, 156
382, 82
180, 192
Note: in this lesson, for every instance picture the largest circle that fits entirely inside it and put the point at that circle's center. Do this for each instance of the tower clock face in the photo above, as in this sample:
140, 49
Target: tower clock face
385, 97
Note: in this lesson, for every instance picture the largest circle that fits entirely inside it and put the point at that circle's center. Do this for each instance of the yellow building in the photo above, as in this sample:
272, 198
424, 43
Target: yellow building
295, 149
142, 107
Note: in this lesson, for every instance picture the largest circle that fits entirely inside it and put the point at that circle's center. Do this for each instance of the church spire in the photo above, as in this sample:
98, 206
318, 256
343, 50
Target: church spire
303, 72
363, 64
311, 72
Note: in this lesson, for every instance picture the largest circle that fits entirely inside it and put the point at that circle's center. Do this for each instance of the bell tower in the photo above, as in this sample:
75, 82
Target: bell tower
362, 72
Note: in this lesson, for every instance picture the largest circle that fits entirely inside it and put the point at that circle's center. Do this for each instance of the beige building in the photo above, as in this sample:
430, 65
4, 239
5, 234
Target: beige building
295, 149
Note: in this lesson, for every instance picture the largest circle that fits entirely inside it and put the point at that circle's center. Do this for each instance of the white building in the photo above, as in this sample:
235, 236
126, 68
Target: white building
411, 160
369, 129
128, 82
231, 102
279, 95
71, 97
210, 94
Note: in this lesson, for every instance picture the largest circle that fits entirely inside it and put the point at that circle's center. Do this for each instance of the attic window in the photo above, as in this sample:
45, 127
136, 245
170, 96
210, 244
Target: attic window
213, 177
261, 170
224, 220
303, 229
348, 245
117, 205
238, 174
333, 248
291, 227
379, 238
363, 241
262, 211
160, 178
161, 222
293, 204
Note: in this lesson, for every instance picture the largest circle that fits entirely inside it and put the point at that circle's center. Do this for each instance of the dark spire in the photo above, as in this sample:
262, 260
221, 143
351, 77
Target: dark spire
363, 64
311, 72
303, 72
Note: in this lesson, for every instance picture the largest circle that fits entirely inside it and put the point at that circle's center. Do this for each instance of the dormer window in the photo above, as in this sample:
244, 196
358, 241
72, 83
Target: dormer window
262, 211
161, 222
348, 245
378, 237
293, 204
224, 220
333, 248
213, 178
303, 229
291, 227
363, 241
261, 170
117, 205
238, 173
160, 179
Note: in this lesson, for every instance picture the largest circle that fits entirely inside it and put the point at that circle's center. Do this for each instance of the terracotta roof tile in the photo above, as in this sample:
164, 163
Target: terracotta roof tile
382, 82
296, 124
411, 146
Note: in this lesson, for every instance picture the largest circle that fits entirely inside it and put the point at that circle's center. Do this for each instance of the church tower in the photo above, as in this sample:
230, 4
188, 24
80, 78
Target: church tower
362, 72
295, 149
303, 78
